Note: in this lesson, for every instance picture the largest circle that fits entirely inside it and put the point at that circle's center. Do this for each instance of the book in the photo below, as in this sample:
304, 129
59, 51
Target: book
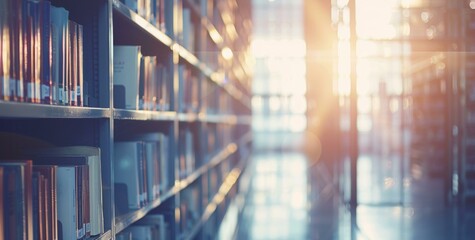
46, 53
28, 57
34, 82
127, 158
15, 9
132, 4
17, 203
156, 147
126, 73
157, 224
188, 30
79, 155
142, 232
153, 170
49, 175
67, 202
59, 25
73, 81
80, 65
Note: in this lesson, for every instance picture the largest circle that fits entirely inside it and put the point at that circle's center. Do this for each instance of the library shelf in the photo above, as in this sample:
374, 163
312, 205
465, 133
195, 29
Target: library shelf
228, 119
33, 110
229, 182
131, 18
218, 118
220, 157
215, 77
193, 6
105, 236
123, 114
187, 117
213, 129
122, 222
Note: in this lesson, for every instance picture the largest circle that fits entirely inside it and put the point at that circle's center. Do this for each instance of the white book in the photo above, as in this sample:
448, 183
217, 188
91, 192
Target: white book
66, 202
126, 170
126, 73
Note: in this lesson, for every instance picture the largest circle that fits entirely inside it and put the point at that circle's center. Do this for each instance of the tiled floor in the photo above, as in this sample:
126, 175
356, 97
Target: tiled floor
288, 200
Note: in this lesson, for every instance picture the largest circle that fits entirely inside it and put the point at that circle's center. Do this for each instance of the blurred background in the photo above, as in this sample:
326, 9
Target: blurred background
363, 120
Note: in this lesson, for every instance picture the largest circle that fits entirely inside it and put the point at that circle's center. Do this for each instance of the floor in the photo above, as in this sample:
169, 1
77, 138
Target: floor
289, 200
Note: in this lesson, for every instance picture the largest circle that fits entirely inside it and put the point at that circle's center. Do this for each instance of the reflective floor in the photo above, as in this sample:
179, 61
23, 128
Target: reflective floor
289, 200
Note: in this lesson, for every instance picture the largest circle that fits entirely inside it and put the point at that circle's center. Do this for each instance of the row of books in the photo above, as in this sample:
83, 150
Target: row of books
152, 10
56, 194
215, 99
150, 227
140, 82
188, 92
186, 154
140, 171
41, 54
189, 209
186, 36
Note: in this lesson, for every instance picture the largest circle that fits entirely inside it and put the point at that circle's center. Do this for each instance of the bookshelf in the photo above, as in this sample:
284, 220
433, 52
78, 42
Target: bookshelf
191, 127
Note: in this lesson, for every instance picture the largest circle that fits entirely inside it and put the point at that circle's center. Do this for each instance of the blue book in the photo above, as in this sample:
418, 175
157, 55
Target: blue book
45, 28
58, 19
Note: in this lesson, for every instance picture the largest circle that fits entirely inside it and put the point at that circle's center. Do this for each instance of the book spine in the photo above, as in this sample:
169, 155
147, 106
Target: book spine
140, 173
72, 84
80, 66
86, 201
46, 208
67, 202
46, 61
67, 60
79, 202
36, 205
142, 79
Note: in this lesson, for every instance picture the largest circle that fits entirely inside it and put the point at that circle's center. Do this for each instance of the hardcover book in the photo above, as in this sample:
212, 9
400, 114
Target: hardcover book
126, 73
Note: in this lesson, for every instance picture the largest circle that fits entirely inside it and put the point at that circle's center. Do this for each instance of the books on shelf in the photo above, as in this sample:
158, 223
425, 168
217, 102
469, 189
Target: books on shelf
140, 171
156, 147
188, 93
189, 208
57, 194
150, 227
129, 171
186, 153
151, 10
91, 188
187, 36
42, 54
140, 82
154, 85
